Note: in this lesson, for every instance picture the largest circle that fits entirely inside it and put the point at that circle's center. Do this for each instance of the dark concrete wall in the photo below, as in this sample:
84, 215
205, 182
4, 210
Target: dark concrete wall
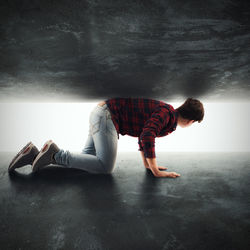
95, 49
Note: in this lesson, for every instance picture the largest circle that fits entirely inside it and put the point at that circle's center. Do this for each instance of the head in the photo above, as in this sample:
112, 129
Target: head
189, 112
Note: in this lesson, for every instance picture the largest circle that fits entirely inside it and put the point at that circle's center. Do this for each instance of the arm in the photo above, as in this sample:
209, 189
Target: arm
146, 143
146, 140
151, 162
144, 160
146, 164
153, 166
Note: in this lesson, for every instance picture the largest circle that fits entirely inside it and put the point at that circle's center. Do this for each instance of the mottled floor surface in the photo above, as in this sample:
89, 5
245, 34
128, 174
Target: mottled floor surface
208, 207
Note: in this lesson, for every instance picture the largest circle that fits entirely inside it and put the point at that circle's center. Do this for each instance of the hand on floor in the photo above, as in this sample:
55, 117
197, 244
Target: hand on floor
168, 174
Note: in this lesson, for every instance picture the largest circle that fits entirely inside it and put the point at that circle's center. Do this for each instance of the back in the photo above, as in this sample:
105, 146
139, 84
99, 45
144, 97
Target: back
130, 114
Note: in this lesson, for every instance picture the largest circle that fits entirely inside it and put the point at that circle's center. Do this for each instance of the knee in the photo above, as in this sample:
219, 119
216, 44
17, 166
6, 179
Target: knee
108, 169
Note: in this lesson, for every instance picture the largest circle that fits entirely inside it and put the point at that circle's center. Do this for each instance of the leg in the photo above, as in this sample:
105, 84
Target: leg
104, 137
89, 147
106, 141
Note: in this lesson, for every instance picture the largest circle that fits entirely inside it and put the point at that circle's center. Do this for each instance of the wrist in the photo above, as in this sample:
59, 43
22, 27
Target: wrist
161, 174
156, 172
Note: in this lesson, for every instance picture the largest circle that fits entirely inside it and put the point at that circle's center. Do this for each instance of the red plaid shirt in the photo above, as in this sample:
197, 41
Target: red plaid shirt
143, 118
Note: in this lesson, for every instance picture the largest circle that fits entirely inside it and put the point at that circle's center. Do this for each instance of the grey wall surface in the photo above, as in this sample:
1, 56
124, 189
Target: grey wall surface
96, 49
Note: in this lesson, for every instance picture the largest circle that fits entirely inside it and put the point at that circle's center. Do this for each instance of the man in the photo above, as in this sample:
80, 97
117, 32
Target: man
138, 117
185, 115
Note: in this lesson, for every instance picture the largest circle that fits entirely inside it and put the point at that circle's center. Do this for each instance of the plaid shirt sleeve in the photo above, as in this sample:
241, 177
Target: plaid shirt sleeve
151, 129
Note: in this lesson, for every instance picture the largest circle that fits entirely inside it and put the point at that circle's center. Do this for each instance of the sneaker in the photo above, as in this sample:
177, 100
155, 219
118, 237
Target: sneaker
25, 156
45, 156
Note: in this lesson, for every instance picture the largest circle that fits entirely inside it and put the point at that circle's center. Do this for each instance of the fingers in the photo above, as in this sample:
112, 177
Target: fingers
176, 175
173, 174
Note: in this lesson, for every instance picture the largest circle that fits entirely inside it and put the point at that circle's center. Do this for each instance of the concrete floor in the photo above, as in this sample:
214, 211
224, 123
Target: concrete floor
206, 208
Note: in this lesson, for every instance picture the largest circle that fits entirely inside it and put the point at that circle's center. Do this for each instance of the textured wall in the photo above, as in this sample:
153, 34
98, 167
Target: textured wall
94, 49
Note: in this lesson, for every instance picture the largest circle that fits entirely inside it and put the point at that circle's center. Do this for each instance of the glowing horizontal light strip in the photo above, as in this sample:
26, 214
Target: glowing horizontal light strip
225, 128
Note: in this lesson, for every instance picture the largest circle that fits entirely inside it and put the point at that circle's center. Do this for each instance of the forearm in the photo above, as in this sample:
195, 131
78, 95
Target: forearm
144, 159
153, 166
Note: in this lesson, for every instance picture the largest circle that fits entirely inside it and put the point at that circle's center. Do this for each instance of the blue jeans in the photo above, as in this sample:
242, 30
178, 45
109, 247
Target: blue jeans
100, 151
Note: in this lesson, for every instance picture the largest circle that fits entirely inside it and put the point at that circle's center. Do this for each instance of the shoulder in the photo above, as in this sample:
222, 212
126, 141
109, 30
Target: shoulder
167, 111
165, 107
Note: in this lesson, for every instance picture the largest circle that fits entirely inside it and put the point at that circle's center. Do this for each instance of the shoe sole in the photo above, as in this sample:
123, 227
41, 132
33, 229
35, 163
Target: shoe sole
43, 151
25, 150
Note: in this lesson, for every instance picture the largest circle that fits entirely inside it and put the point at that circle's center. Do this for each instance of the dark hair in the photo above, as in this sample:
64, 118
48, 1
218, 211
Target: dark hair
191, 109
